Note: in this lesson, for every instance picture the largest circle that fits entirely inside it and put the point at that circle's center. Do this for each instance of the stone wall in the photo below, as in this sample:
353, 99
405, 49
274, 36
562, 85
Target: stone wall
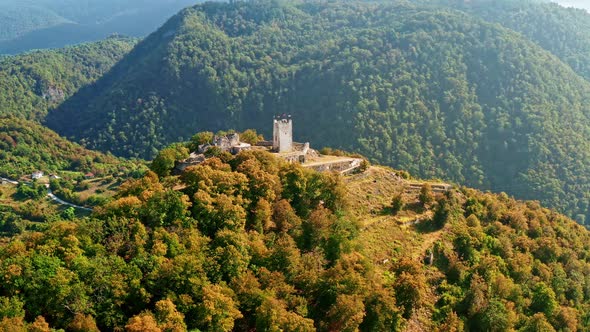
341, 166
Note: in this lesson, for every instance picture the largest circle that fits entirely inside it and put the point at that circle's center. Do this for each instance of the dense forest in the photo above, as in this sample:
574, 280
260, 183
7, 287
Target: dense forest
26, 146
434, 91
564, 32
32, 83
36, 24
249, 242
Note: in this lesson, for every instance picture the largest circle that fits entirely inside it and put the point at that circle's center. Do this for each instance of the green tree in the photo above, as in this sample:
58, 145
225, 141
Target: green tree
251, 136
200, 138
426, 196
397, 204
544, 300
69, 213
166, 159
11, 307
537, 323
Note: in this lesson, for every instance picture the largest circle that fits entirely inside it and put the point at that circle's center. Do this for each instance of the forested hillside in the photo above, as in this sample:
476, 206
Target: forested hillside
35, 24
564, 32
436, 92
32, 83
583, 4
26, 146
252, 243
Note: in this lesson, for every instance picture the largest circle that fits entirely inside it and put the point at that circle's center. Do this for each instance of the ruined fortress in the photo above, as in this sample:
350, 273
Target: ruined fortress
282, 146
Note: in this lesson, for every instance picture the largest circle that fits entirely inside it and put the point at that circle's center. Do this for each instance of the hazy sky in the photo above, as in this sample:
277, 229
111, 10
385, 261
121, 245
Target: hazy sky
575, 3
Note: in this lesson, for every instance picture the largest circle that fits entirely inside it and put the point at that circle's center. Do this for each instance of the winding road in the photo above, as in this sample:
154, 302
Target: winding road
50, 194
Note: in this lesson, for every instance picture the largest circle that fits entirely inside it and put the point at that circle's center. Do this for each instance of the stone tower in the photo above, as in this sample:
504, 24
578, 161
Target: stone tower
282, 135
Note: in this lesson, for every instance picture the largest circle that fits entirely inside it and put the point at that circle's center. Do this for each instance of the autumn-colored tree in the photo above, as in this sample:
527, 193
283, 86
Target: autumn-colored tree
476, 298
317, 229
452, 323
346, 314
567, 319
39, 325
214, 178
261, 184
285, 217
410, 292
83, 323
271, 315
13, 324
217, 310
261, 217
168, 318
144, 322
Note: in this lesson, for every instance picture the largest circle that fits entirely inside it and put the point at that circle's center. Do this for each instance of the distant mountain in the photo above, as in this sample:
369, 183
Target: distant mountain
32, 83
36, 24
434, 91
564, 32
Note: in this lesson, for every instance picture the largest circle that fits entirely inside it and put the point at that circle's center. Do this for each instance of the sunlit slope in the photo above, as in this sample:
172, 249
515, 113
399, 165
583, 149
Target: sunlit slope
32, 83
433, 91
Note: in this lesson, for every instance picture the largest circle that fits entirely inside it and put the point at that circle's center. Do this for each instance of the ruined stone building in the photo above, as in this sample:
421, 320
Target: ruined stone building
282, 145
229, 143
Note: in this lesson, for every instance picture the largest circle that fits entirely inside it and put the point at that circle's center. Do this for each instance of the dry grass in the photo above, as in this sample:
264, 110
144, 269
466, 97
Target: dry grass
386, 236
6, 192
106, 187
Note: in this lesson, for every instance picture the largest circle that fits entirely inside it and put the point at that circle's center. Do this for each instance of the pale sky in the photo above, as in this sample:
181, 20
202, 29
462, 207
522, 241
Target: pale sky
575, 3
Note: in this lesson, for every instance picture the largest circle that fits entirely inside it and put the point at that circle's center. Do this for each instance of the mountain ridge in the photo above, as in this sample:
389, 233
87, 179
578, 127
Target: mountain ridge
436, 92
41, 24
33, 83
